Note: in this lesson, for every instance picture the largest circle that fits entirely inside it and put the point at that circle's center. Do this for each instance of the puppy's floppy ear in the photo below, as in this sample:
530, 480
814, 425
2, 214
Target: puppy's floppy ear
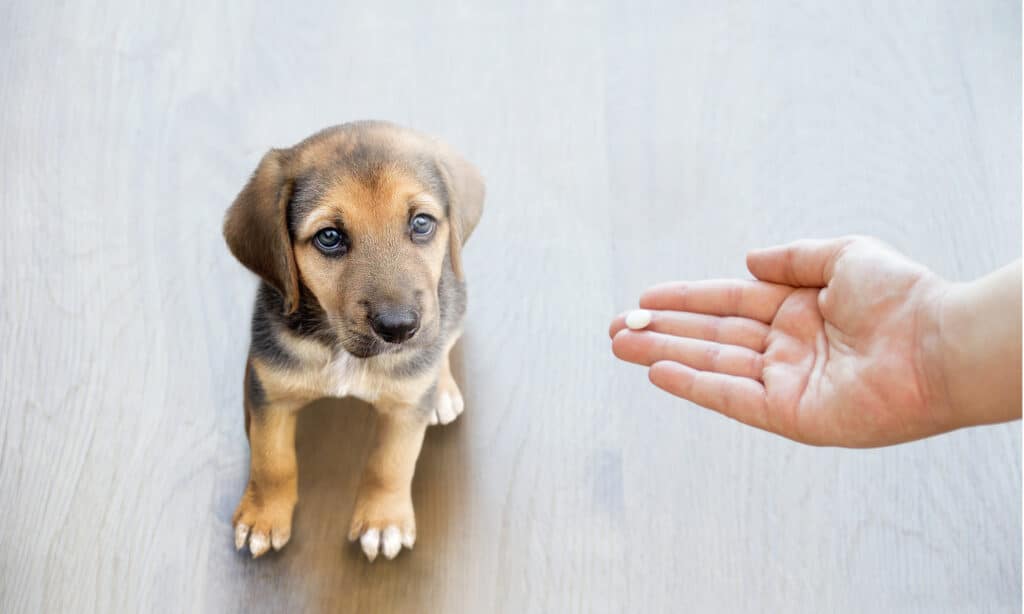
256, 227
465, 201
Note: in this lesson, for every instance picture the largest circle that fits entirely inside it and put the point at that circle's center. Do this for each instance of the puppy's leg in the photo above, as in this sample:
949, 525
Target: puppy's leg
384, 520
264, 514
449, 404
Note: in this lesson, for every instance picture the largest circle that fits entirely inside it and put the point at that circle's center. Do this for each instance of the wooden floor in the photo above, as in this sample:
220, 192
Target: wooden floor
623, 144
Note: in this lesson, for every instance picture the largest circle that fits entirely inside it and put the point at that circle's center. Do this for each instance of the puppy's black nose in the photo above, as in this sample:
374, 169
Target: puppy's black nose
395, 325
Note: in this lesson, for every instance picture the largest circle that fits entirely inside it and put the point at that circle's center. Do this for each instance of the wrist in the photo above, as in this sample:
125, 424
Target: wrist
975, 364
942, 356
934, 343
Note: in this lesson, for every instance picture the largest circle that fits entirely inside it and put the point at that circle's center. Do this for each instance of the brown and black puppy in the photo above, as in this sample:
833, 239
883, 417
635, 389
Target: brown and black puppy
356, 233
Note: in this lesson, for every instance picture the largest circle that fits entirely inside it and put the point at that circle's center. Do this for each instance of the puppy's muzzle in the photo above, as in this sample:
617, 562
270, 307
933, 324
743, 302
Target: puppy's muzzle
395, 324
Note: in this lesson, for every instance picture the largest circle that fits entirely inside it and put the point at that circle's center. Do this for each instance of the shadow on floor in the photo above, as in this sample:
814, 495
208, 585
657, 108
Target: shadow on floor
320, 569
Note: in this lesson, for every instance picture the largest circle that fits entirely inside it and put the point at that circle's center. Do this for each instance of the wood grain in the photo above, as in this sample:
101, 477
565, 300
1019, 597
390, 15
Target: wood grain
623, 144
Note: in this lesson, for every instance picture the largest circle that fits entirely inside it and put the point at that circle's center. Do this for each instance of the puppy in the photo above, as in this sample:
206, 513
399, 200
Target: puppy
356, 233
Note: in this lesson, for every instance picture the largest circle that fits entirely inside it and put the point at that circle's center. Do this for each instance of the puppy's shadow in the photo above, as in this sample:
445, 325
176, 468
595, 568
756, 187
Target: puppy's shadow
333, 438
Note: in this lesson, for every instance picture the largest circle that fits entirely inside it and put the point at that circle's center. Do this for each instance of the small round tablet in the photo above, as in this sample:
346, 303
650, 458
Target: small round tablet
638, 318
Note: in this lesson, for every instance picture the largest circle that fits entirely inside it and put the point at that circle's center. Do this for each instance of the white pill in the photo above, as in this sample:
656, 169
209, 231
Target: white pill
638, 318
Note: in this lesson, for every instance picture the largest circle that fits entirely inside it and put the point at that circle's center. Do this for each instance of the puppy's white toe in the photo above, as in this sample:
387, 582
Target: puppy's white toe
391, 542
446, 411
241, 532
279, 538
258, 544
370, 541
409, 539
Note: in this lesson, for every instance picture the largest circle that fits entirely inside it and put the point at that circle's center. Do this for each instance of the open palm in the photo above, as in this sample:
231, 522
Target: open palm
824, 348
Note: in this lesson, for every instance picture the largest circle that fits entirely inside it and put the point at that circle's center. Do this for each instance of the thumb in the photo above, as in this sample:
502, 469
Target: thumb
805, 263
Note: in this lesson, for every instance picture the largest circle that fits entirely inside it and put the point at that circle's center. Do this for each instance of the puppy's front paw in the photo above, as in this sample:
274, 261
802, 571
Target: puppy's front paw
383, 523
265, 521
449, 401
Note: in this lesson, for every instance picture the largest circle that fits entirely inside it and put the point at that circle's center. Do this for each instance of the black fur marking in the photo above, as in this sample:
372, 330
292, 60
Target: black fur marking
438, 186
310, 320
367, 161
254, 391
451, 299
268, 319
419, 360
306, 195
363, 346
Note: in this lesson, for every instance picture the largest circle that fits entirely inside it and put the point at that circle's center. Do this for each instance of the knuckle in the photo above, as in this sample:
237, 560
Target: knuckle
713, 354
714, 328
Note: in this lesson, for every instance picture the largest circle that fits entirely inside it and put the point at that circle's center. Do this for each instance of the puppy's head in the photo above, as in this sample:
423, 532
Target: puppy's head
365, 218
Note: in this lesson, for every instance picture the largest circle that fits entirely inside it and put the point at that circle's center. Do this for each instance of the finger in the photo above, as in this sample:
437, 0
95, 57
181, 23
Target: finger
806, 263
618, 323
729, 330
647, 348
720, 297
739, 398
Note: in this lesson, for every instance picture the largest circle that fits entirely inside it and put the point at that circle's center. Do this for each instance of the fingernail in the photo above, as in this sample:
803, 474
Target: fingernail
638, 319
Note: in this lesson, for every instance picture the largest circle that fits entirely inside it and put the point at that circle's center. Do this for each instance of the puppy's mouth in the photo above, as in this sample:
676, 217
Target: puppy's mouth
365, 346
368, 345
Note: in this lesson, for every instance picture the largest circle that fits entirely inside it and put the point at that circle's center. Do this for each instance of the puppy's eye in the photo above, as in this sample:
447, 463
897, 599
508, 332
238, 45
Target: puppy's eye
331, 242
422, 227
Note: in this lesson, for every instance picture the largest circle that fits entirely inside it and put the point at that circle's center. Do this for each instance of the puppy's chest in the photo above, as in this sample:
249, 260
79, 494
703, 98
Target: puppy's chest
352, 377
369, 381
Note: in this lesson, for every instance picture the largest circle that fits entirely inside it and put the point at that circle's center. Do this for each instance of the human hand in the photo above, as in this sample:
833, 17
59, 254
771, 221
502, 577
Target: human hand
837, 343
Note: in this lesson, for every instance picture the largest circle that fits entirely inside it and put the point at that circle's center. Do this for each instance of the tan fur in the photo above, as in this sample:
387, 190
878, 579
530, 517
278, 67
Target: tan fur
383, 500
265, 511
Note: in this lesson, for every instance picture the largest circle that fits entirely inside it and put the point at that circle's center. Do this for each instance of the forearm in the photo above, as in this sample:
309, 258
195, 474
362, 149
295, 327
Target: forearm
980, 348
